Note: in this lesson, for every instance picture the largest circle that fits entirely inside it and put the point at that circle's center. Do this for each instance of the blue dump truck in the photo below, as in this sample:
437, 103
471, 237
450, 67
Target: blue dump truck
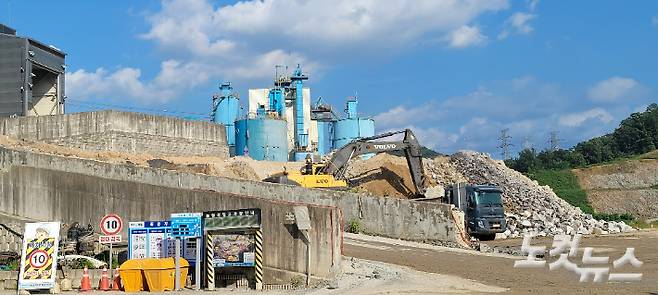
482, 206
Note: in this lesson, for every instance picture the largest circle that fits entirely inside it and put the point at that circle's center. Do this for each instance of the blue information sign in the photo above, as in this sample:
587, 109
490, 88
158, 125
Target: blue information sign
186, 225
154, 239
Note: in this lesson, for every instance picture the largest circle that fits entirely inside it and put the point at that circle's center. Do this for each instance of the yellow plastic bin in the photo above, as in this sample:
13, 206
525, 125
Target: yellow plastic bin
159, 273
131, 275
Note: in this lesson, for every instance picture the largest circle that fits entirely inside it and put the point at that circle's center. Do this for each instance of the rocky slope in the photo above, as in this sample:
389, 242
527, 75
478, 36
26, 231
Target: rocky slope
629, 186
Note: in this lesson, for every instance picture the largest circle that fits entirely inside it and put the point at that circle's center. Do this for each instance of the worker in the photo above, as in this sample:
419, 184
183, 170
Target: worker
309, 165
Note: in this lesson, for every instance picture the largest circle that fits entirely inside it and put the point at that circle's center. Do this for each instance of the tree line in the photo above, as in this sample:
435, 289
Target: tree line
637, 134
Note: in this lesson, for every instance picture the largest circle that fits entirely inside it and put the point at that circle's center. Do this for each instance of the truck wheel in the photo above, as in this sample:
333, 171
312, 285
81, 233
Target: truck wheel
486, 237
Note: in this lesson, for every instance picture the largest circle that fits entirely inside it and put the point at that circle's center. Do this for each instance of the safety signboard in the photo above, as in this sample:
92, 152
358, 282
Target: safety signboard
148, 239
152, 239
39, 256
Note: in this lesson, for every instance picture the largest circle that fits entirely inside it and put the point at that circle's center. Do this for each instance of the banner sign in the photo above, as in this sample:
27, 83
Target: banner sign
38, 268
233, 250
231, 219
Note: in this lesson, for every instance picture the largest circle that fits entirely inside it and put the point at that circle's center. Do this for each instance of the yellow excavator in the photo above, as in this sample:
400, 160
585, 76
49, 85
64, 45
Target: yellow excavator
331, 174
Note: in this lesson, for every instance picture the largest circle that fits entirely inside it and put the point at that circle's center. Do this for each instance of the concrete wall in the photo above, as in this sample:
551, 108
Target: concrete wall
395, 218
47, 195
122, 132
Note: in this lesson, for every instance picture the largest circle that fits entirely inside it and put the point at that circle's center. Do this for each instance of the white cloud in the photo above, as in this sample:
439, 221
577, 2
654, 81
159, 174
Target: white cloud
518, 23
401, 115
203, 41
339, 22
532, 4
430, 137
528, 107
199, 28
466, 36
577, 119
612, 89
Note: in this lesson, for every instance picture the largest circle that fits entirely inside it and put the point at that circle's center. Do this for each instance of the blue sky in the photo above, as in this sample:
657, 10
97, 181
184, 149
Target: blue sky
457, 72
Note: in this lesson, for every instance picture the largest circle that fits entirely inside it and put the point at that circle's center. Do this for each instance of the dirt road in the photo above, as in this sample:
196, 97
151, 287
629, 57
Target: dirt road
498, 270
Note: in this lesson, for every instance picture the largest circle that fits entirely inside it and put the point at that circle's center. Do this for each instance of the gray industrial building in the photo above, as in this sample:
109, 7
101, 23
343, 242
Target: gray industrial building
31, 76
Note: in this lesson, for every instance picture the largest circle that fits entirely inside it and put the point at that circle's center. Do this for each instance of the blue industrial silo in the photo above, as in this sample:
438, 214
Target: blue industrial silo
225, 108
325, 137
324, 117
352, 127
263, 137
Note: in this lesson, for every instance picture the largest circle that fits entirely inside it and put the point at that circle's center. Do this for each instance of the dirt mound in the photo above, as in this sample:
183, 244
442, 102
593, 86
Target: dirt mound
387, 175
382, 175
238, 167
242, 170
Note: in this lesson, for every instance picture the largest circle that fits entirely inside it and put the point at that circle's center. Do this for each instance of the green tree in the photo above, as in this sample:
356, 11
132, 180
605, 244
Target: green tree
526, 161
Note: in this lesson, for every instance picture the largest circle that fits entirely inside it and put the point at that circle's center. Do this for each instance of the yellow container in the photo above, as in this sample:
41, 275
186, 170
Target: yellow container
131, 276
160, 273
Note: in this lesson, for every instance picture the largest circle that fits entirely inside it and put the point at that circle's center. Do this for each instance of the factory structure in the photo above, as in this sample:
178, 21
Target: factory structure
31, 76
281, 124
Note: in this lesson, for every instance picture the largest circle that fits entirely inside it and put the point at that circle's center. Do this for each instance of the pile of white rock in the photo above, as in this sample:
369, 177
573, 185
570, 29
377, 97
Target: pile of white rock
530, 208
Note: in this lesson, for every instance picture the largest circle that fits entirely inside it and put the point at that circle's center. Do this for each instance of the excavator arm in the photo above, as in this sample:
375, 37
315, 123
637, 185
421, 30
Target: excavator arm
337, 165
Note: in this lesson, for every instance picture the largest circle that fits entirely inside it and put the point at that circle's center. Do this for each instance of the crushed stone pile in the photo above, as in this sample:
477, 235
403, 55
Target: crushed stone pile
530, 208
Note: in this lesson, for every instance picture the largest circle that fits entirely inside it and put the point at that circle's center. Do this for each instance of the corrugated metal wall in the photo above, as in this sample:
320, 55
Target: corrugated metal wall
12, 51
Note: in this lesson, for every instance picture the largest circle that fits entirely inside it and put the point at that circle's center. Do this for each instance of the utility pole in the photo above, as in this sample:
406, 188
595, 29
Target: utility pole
527, 144
505, 143
554, 141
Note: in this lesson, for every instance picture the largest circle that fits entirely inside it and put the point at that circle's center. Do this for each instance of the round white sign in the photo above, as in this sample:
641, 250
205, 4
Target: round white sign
38, 259
111, 224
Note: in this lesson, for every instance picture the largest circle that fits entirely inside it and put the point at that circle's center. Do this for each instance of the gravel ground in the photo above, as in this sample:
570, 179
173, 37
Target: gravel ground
498, 269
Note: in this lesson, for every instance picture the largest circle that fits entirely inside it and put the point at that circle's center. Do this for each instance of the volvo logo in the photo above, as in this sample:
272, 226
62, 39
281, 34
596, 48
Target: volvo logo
384, 146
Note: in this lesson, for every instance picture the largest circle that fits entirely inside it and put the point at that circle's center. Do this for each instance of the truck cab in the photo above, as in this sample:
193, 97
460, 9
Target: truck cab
482, 206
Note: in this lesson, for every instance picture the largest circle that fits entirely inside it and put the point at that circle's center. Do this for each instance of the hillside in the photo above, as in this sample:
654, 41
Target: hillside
623, 186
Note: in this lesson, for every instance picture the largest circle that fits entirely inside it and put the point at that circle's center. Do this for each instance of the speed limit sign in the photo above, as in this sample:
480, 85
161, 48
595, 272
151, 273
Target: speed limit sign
39, 258
111, 224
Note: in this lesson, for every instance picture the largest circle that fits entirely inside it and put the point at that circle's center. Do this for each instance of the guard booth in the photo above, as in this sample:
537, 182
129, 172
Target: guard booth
234, 248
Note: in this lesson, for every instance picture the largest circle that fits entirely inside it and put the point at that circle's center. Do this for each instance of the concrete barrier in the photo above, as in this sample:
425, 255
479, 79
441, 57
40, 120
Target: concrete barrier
395, 218
44, 194
122, 132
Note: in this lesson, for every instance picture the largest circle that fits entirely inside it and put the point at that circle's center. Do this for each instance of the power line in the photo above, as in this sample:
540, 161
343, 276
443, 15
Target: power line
554, 141
527, 142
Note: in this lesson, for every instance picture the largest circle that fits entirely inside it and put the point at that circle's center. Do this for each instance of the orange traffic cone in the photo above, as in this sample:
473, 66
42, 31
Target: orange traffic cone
104, 283
85, 283
117, 281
